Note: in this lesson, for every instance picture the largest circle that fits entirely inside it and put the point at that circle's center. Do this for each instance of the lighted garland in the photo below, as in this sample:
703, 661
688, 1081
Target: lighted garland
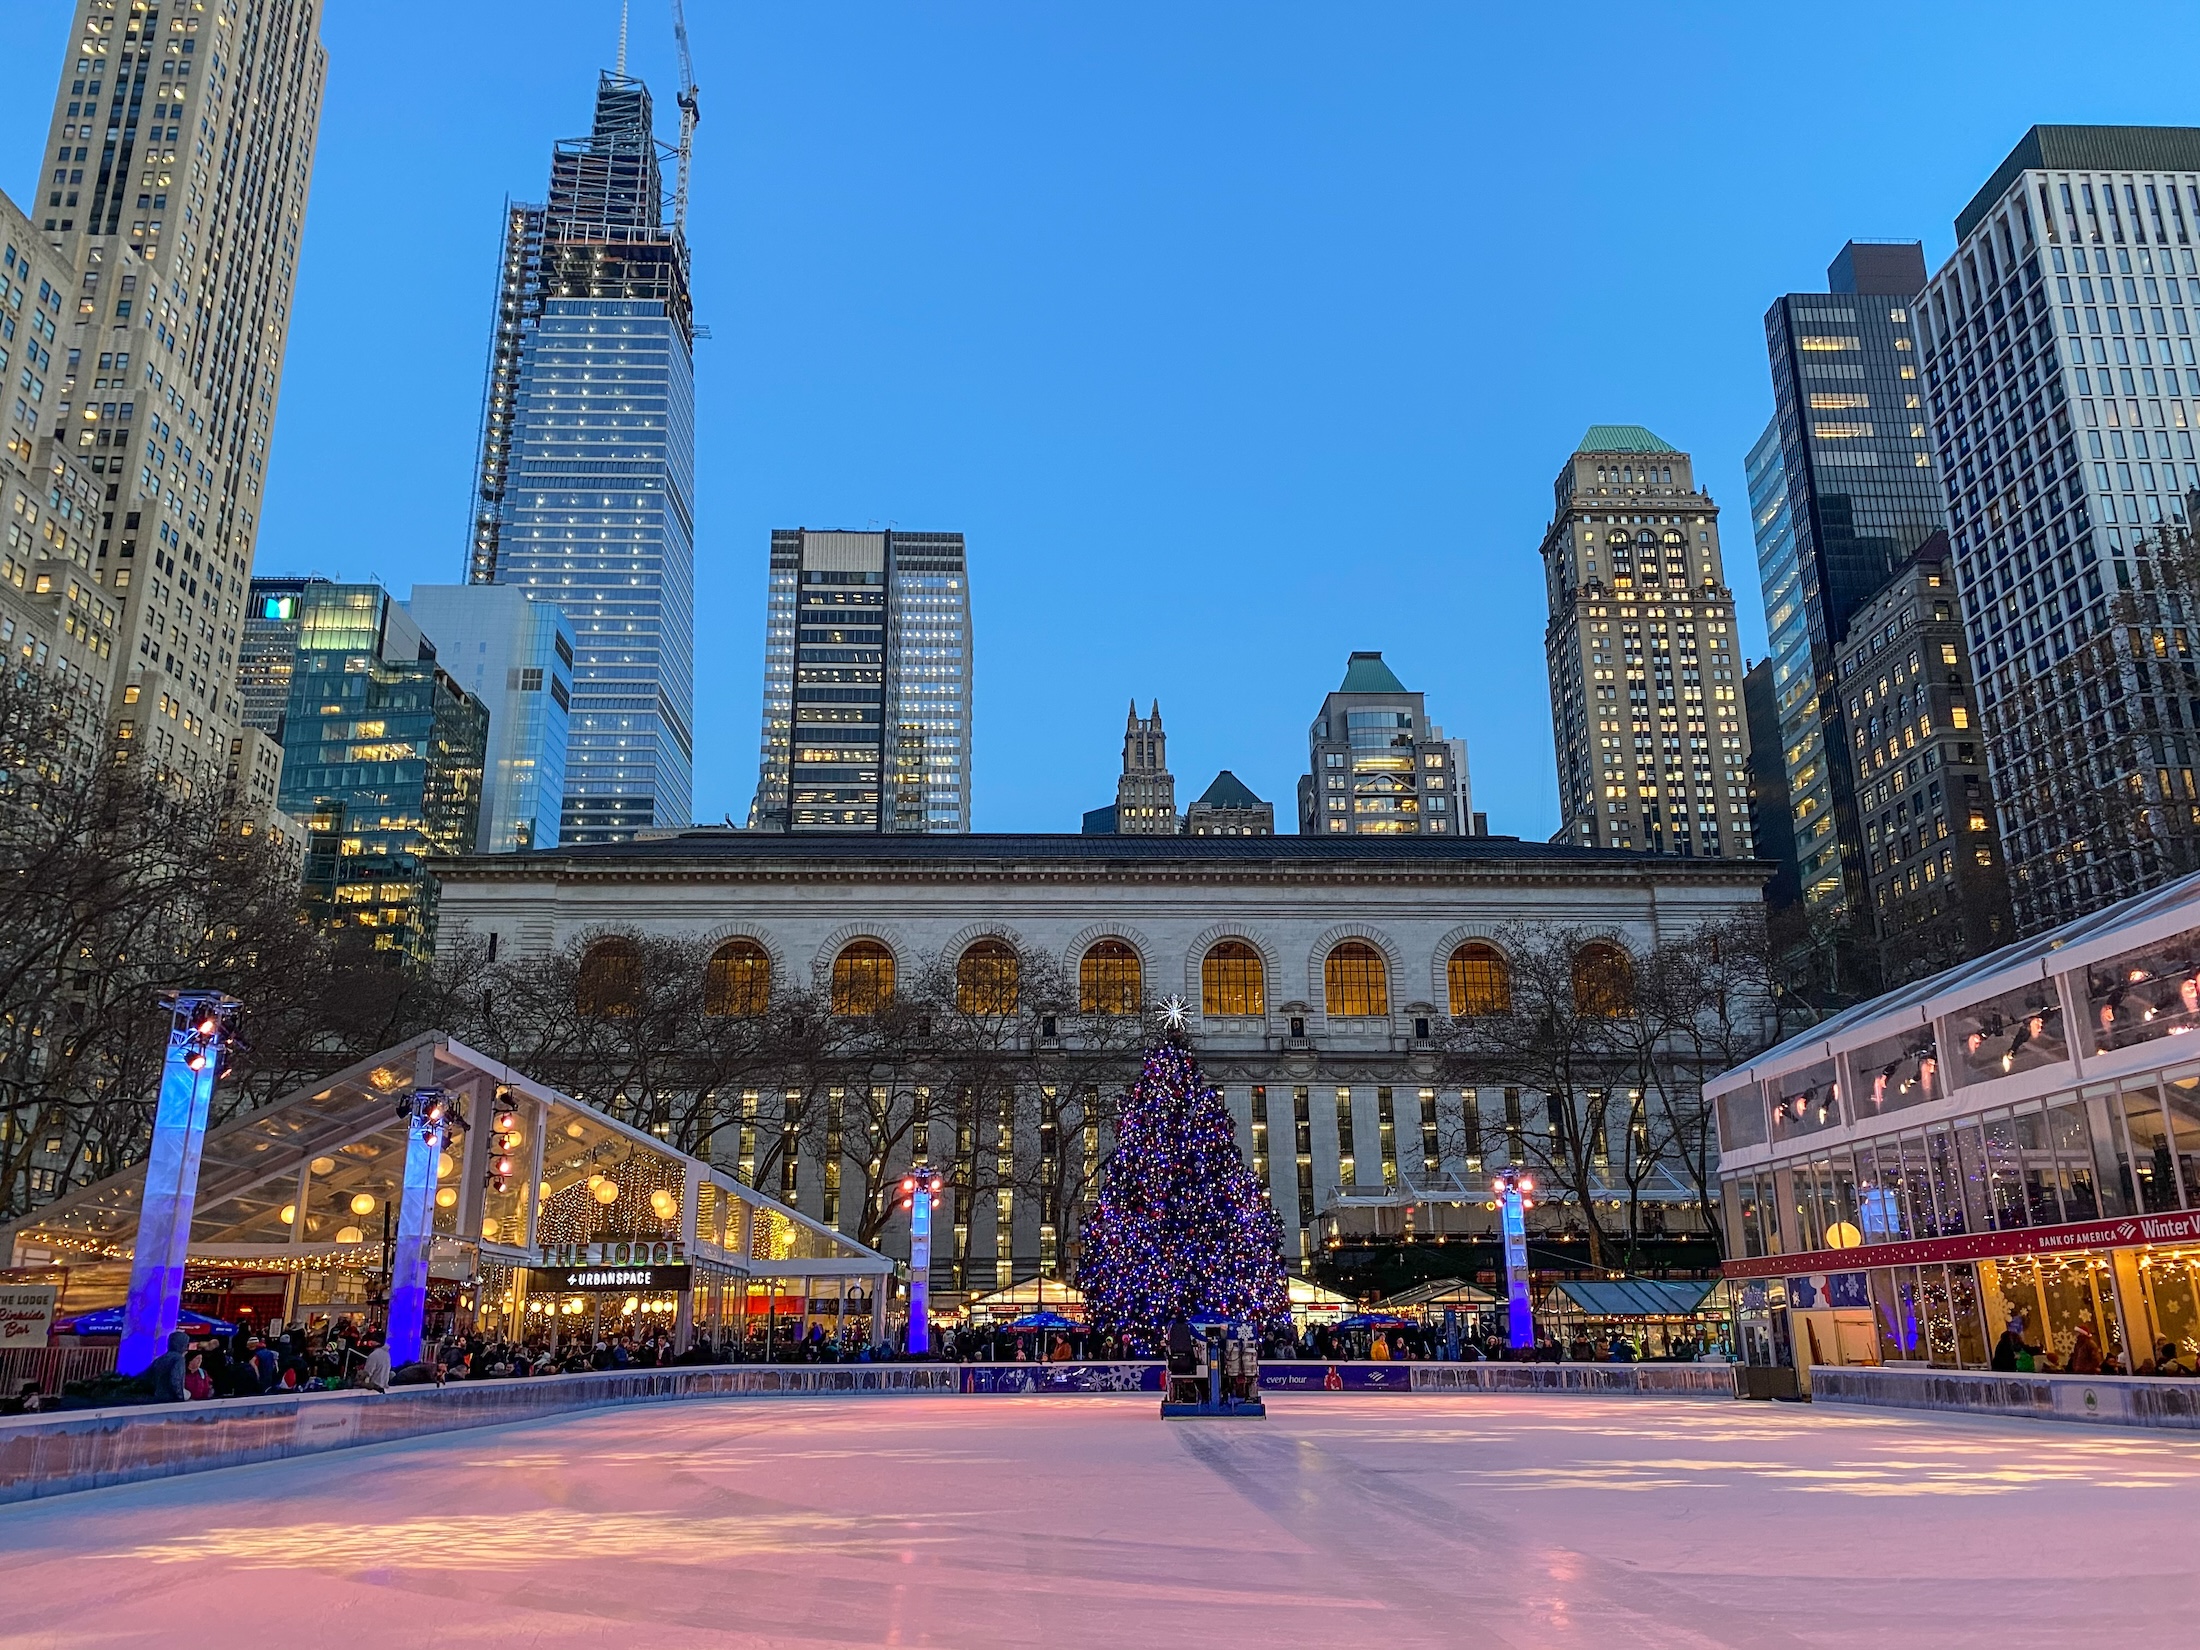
1180, 1228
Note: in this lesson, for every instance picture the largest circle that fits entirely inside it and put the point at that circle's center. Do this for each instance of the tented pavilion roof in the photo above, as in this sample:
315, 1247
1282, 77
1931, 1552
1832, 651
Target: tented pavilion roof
311, 1175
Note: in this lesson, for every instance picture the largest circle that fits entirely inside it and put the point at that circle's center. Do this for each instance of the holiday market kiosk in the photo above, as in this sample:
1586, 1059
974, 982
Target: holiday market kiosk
543, 1217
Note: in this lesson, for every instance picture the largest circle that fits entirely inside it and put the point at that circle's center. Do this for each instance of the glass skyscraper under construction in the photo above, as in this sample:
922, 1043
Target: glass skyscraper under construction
586, 482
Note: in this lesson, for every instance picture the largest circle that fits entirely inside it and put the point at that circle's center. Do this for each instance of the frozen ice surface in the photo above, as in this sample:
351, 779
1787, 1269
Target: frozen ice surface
1385, 1521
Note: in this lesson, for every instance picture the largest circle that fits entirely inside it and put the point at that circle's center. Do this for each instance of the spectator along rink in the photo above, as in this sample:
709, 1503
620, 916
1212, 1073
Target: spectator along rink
1502, 1520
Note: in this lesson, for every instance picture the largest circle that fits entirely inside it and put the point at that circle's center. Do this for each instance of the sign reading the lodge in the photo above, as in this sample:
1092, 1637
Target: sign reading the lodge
2123, 1232
26, 1313
616, 1252
608, 1280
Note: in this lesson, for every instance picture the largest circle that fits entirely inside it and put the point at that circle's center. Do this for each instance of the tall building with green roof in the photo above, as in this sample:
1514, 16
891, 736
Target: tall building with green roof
1377, 766
1646, 706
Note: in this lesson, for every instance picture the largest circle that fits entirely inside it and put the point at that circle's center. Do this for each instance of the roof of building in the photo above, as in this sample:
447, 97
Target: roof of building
2086, 149
1636, 1297
1228, 791
724, 845
1622, 438
1906, 1004
1366, 673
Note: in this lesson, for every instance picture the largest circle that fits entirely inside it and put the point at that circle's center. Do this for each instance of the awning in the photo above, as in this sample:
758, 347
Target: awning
1636, 1297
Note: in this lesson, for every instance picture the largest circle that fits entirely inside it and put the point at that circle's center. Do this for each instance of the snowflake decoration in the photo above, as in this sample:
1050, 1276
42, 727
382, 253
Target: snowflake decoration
1176, 1014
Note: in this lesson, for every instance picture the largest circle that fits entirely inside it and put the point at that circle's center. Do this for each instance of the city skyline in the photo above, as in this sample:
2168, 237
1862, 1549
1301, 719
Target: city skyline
1266, 508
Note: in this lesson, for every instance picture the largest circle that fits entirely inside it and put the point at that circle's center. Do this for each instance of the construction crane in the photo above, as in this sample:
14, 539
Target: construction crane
691, 114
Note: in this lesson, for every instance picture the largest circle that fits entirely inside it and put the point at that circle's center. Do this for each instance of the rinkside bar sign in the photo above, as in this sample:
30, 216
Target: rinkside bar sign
607, 1279
2125, 1232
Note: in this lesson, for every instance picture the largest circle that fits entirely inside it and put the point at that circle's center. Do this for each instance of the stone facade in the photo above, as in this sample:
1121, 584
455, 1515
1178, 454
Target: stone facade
1306, 1086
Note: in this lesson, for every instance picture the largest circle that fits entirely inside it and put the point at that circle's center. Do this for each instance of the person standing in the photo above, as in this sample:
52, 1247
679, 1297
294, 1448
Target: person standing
167, 1369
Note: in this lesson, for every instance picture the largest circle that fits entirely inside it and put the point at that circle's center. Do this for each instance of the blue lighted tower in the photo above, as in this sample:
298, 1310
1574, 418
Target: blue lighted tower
586, 484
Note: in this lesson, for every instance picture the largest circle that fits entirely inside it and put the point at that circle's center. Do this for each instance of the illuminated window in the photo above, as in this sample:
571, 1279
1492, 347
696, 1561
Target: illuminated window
986, 977
739, 980
1354, 982
1480, 981
1604, 980
1108, 979
611, 978
863, 978
1231, 982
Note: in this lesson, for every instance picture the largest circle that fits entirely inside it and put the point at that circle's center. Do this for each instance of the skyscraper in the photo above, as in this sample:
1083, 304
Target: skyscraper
1645, 680
514, 653
867, 684
1145, 795
1376, 765
2060, 376
1857, 494
174, 190
586, 489
382, 759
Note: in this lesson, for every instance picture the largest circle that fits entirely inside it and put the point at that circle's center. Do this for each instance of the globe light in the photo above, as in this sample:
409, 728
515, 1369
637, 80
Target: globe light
446, 1197
606, 1192
490, 1226
574, 1130
542, 1192
445, 1165
323, 1165
664, 1204
350, 1234
289, 1213
362, 1204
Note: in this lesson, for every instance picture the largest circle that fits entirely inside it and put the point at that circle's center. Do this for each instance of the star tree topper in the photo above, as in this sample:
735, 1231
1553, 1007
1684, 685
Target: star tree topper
1176, 1014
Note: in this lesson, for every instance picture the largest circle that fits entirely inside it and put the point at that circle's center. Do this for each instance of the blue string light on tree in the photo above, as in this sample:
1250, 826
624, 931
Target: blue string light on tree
1180, 1228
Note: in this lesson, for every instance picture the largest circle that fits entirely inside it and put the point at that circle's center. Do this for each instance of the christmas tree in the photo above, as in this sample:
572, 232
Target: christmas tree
1180, 1227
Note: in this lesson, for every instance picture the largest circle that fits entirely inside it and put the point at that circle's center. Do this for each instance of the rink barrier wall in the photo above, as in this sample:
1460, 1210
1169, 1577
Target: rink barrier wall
56, 1454
2110, 1400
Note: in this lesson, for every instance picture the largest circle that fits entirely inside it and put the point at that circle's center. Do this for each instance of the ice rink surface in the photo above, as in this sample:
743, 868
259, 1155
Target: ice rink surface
1387, 1522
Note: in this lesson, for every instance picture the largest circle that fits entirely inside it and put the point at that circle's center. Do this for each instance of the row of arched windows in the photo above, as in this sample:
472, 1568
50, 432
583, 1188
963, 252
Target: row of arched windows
1232, 979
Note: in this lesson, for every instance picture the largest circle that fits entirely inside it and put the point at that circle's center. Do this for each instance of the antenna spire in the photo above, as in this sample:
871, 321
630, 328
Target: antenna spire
620, 71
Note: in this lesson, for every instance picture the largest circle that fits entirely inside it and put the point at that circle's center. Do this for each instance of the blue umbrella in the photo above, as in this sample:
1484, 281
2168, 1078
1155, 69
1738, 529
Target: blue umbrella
108, 1321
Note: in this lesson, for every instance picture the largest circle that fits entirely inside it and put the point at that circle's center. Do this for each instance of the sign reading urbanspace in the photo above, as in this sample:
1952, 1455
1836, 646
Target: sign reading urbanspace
607, 1279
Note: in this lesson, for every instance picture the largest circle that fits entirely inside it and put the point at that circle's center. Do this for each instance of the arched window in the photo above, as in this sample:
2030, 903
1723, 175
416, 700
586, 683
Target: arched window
863, 978
1231, 982
611, 978
1108, 979
739, 980
1604, 980
985, 978
1354, 983
1480, 981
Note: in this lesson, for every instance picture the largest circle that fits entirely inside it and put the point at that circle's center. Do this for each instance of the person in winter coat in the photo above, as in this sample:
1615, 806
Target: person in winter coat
167, 1369
2085, 1354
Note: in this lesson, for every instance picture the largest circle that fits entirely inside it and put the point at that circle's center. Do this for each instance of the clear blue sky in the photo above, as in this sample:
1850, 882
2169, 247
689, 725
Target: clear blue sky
1235, 337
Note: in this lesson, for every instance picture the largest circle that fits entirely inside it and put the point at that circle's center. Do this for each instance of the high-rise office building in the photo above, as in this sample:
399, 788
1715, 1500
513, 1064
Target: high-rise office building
382, 760
1145, 795
1376, 765
1771, 820
174, 190
1935, 889
1646, 702
268, 653
1843, 490
56, 618
586, 481
514, 653
2061, 382
867, 684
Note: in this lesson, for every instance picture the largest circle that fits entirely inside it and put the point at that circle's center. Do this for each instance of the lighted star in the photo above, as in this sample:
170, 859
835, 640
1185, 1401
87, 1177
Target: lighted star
1176, 1014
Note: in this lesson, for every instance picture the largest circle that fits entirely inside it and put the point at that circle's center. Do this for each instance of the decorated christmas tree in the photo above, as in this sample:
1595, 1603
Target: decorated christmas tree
1180, 1227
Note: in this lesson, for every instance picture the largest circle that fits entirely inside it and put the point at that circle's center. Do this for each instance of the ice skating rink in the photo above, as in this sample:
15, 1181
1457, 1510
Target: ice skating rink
1089, 1521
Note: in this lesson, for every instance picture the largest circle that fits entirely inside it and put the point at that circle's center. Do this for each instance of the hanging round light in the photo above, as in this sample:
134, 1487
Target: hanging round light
289, 1213
664, 1204
350, 1234
490, 1226
323, 1165
362, 1204
606, 1192
446, 1197
445, 1165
